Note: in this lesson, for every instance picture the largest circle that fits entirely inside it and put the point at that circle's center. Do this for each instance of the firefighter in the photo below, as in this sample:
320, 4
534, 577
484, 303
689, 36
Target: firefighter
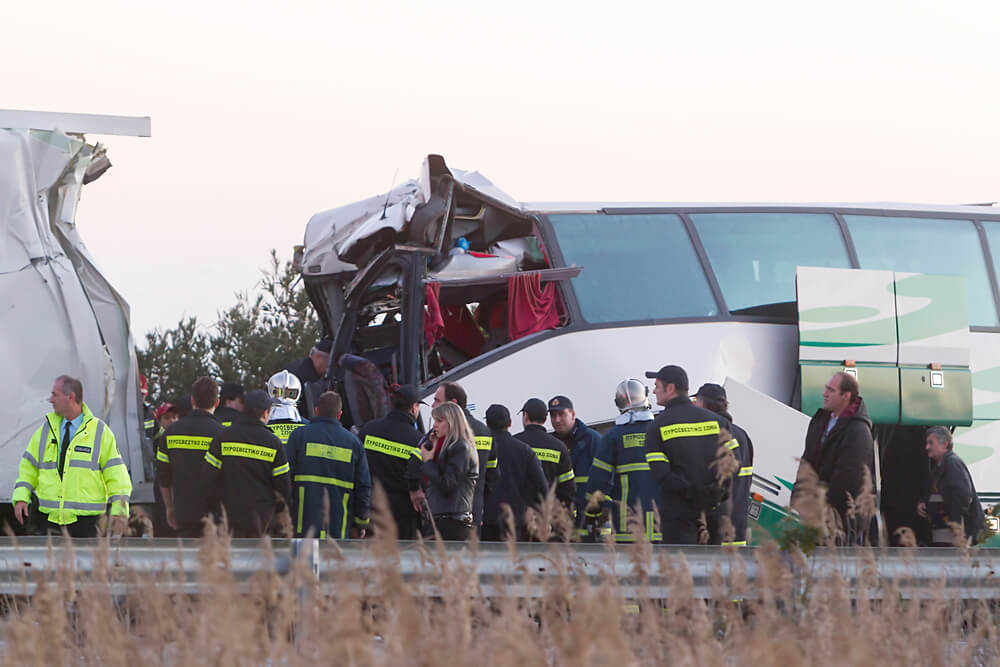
248, 470
390, 443
331, 486
582, 442
230, 403
551, 452
73, 466
284, 389
522, 485
620, 472
180, 460
149, 422
681, 446
713, 397
486, 484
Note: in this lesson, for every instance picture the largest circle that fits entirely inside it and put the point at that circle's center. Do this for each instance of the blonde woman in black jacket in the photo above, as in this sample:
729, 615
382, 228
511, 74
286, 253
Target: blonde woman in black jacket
451, 467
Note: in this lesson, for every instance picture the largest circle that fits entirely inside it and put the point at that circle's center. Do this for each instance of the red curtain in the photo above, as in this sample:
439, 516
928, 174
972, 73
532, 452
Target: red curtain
433, 322
529, 307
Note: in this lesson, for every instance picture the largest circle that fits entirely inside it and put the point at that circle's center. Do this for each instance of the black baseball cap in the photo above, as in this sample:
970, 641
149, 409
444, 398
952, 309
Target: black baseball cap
497, 416
257, 400
230, 390
408, 393
325, 345
712, 391
560, 403
671, 374
535, 409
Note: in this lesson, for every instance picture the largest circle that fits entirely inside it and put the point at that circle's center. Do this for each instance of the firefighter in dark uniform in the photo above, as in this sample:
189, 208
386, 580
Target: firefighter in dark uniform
230, 403
390, 443
331, 486
713, 397
180, 460
149, 422
486, 484
248, 470
621, 472
285, 390
582, 442
522, 484
557, 464
165, 415
681, 445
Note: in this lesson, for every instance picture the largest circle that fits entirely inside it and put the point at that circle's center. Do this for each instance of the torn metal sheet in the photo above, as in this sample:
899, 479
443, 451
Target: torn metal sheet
332, 237
60, 314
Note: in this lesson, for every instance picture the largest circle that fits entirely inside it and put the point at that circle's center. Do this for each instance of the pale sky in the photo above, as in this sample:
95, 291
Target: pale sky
264, 114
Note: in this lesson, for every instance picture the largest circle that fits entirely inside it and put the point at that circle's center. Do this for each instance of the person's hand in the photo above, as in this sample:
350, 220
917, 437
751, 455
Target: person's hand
356, 532
922, 509
118, 526
171, 519
417, 499
426, 454
20, 511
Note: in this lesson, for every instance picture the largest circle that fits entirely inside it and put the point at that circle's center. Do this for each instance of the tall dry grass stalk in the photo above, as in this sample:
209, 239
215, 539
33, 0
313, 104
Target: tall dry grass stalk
378, 617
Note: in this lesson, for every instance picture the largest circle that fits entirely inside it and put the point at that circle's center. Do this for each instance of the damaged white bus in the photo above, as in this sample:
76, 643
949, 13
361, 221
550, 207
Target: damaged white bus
448, 278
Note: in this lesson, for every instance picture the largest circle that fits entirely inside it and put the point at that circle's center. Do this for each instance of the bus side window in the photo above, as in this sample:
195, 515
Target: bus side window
754, 255
928, 245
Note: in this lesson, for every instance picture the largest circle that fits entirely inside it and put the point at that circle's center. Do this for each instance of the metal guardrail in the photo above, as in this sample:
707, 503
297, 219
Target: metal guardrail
528, 571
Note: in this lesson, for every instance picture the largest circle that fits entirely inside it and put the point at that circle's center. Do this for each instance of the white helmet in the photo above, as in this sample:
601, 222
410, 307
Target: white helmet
284, 387
632, 394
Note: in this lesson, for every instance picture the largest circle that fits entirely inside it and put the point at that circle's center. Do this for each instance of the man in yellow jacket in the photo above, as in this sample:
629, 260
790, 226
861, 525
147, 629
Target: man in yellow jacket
72, 464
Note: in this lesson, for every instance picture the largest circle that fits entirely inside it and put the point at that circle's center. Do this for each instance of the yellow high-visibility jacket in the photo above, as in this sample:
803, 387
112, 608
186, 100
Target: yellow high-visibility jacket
93, 476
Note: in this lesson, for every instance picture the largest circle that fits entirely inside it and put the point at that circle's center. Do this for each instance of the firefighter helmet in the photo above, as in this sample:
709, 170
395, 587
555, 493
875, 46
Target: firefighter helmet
632, 394
284, 387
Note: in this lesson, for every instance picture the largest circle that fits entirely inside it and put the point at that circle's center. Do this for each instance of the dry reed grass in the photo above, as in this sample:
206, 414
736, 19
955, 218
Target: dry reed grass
382, 619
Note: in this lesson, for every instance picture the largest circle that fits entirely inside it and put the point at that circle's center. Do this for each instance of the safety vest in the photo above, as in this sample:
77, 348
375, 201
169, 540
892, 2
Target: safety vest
94, 473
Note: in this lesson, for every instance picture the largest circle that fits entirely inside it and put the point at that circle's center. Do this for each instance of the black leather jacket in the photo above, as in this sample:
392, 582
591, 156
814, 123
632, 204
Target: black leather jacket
452, 480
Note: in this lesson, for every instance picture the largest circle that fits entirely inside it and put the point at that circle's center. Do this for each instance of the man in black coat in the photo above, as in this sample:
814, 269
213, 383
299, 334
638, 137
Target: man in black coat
310, 371
713, 397
180, 460
393, 459
557, 464
248, 471
840, 444
950, 496
522, 482
682, 444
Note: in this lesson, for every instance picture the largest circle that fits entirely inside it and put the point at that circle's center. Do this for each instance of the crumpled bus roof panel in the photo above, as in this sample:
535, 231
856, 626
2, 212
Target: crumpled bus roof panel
332, 235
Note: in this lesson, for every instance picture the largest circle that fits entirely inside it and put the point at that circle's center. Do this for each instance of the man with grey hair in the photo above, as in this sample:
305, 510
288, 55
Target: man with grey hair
950, 496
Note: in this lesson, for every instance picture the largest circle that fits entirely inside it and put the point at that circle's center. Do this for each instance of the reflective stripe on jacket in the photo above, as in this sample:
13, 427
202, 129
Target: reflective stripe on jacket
621, 472
94, 473
331, 484
681, 444
582, 443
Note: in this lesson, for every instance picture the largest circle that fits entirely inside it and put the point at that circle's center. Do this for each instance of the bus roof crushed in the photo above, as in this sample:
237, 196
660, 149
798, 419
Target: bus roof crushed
344, 239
